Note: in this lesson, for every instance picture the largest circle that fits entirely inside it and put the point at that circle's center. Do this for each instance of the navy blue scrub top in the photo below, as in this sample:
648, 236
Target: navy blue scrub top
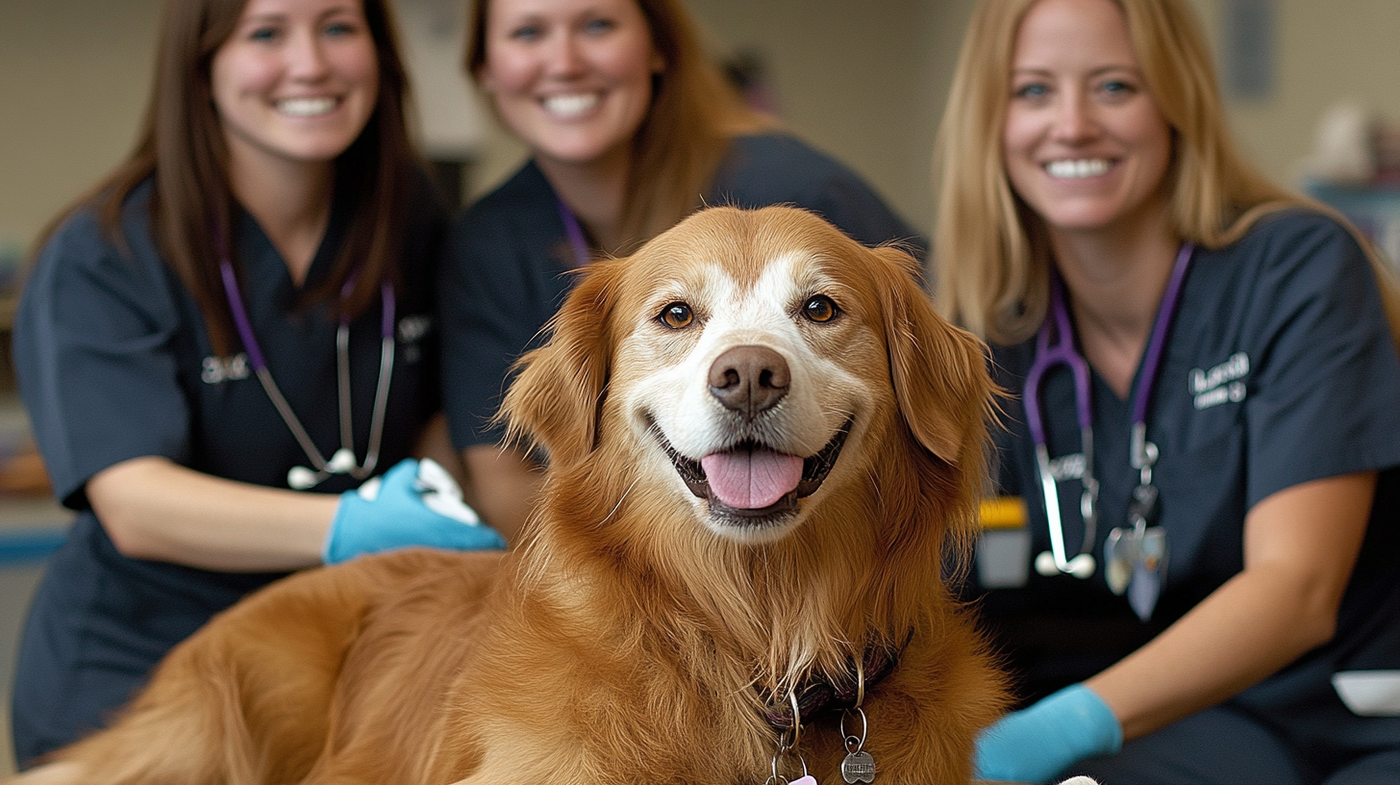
1279, 369
507, 271
114, 363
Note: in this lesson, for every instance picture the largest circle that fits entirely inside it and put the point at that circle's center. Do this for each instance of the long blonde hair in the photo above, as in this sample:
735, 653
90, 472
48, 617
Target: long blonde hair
992, 252
694, 114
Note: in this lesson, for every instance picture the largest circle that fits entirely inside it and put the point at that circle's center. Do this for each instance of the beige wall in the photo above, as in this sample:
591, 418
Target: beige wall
1326, 51
73, 81
864, 81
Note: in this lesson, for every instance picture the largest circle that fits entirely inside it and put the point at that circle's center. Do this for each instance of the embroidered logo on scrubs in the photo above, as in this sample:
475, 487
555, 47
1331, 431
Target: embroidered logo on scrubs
1221, 384
225, 369
412, 330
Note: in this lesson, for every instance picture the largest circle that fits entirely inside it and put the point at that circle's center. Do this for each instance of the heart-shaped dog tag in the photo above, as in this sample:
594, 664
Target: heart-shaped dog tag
858, 767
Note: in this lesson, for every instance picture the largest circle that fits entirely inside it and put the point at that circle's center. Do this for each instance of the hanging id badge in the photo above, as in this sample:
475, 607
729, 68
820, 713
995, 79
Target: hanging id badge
1136, 555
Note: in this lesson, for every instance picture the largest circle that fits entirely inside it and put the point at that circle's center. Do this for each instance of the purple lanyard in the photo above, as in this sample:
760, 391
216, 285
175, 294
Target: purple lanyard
574, 230
1143, 453
343, 461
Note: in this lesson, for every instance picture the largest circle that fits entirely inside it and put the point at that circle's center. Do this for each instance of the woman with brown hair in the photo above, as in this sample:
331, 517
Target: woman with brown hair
1204, 429
224, 340
630, 127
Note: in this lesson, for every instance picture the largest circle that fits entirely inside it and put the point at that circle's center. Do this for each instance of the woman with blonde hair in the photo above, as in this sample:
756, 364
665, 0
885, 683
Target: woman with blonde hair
630, 127
1204, 427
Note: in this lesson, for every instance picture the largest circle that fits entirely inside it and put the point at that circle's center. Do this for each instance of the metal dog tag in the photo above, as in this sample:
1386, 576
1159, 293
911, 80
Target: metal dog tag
1126, 547
1120, 552
858, 767
1146, 585
1136, 560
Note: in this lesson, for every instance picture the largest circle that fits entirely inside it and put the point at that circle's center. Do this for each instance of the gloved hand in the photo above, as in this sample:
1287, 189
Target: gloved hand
1038, 742
411, 504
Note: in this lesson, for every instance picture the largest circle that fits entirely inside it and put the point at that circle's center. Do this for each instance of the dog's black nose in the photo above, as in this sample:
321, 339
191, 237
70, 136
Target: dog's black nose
749, 379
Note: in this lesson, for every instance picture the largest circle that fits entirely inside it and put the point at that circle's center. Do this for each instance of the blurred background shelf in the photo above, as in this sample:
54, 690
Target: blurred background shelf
1375, 209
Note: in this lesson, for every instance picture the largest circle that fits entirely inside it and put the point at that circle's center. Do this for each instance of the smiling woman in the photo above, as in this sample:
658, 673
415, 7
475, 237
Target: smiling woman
230, 320
298, 89
1203, 440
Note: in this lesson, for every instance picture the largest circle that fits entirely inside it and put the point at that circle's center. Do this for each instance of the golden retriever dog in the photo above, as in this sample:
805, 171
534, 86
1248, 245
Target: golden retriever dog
765, 451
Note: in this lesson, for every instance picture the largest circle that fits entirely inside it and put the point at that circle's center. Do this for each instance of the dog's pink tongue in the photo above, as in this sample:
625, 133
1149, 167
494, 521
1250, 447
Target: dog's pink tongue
751, 479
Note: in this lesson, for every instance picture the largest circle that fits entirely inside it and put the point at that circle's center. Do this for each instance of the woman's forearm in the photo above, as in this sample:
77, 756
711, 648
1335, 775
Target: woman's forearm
1246, 630
153, 508
1300, 546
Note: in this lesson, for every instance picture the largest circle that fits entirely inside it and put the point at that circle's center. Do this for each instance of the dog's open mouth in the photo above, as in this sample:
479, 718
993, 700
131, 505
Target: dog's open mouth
752, 483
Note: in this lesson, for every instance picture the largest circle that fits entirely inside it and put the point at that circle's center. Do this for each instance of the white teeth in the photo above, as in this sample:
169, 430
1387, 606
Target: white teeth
1089, 167
305, 107
570, 105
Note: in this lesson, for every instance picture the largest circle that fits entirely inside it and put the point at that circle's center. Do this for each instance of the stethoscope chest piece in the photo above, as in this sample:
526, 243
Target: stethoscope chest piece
1080, 566
342, 461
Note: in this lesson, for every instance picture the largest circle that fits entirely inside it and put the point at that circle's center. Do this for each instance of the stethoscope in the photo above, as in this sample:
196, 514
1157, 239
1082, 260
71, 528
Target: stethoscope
343, 460
1046, 357
1128, 550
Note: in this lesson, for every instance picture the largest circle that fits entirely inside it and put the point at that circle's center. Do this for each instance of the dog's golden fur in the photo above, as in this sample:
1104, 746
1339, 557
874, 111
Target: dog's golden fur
631, 638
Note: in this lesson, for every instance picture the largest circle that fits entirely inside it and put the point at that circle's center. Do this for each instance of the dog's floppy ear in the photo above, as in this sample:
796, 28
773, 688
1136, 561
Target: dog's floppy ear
556, 400
939, 371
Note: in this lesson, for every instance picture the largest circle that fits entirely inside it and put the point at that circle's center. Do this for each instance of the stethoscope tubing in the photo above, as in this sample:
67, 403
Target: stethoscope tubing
1047, 356
381, 390
1144, 453
343, 461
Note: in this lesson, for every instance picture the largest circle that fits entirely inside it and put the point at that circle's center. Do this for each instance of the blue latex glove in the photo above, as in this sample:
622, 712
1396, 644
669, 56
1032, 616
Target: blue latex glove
1038, 742
411, 504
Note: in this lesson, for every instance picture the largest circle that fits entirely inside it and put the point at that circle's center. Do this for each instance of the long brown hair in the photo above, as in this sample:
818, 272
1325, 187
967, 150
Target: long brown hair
991, 250
181, 147
693, 115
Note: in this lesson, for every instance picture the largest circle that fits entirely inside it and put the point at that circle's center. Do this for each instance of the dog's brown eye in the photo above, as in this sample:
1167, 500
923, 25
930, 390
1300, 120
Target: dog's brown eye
677, 315
819, 309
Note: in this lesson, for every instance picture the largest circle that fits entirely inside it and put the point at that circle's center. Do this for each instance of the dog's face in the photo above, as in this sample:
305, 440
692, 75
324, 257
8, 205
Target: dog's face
746, 374
749, 362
